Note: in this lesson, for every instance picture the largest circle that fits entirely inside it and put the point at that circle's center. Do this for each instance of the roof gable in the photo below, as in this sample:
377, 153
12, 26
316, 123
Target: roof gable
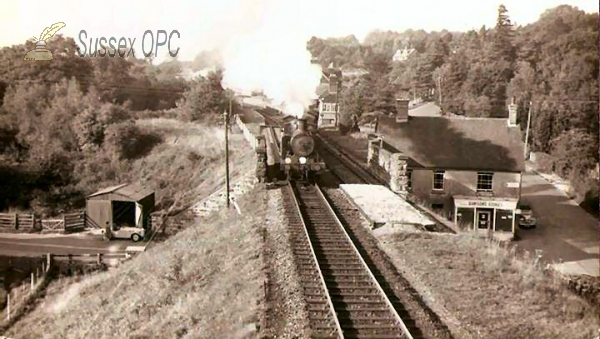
469, 144
129, 191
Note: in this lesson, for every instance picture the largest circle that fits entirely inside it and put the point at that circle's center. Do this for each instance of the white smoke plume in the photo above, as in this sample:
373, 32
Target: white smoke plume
264, 48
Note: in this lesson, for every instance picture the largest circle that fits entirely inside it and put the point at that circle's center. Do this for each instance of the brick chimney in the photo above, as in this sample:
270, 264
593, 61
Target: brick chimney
333, 84
402, 110
512, 113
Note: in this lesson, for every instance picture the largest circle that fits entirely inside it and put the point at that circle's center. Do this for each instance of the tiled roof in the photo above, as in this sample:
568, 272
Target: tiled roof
329, 98
457, 143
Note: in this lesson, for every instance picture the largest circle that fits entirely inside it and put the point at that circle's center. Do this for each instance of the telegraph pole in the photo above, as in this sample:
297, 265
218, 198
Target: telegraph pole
440, 88
230, 108
527, 130
226, 120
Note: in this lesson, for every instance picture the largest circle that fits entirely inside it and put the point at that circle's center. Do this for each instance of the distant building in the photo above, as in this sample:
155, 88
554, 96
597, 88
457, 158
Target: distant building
403, 54
329, 96
469, 168
353, 73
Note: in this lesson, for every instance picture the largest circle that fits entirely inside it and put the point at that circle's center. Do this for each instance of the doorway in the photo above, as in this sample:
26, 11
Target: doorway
483, 219
124, 214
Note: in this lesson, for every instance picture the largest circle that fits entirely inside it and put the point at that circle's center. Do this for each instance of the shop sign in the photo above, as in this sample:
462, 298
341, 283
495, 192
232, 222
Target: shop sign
505, 205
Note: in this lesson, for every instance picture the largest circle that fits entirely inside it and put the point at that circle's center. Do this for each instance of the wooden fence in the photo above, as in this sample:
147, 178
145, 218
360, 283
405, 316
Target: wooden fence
247, 134
24, 222
16, 221
74, 222
18, 300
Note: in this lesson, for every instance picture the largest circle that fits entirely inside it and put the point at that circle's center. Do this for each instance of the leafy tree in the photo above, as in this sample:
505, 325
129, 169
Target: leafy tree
206, 98
353, 101
575, 152
127, 141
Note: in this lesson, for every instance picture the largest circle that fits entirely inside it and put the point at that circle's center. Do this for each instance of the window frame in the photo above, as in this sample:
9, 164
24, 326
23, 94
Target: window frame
436, 172
480, 181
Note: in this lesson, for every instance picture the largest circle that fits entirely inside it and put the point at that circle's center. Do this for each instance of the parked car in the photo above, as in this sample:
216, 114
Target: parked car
124, 232
526, 218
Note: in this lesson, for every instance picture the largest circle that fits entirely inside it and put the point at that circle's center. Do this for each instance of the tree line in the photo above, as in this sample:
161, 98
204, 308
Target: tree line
68, 125
549, 67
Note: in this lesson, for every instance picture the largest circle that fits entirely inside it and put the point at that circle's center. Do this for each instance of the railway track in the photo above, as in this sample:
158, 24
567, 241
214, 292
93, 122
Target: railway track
344, 297
350, 167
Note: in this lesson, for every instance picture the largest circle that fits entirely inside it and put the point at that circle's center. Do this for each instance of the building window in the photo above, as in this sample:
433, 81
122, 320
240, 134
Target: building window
330, 107
409, 179
438, 180
437, 207
484, 181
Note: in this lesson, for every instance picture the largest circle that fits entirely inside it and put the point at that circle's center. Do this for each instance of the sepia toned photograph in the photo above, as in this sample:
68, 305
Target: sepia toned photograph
278, 169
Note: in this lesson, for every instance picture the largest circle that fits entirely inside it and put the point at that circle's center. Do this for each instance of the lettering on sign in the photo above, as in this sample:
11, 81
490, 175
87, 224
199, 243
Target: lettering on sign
508, 205
484, 204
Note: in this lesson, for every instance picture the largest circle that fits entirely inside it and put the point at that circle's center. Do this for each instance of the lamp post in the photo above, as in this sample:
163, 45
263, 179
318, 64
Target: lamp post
226, 120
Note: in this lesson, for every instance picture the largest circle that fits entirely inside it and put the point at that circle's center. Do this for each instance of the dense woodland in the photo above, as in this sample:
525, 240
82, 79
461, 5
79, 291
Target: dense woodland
68, 126
552, 63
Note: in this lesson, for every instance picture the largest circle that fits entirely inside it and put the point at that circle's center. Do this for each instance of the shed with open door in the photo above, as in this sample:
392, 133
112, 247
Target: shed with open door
125, 205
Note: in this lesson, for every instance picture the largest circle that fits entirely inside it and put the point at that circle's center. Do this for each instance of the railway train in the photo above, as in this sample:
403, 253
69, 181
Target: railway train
287, 153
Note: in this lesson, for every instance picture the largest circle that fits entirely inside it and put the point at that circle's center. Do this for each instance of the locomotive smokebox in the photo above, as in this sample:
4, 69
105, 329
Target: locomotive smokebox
301, 142
301, 123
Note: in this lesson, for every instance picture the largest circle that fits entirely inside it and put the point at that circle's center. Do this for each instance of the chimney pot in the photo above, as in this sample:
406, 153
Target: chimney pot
402, 110
512, 115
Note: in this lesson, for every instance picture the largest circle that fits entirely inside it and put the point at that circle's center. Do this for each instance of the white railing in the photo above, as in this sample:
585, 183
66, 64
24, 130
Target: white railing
247, 134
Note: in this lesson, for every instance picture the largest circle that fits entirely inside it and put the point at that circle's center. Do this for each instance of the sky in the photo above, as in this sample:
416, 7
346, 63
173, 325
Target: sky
262, 42
201, 23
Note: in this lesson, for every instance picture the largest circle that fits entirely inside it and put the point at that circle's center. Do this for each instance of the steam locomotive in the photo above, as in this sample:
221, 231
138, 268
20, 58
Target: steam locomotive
287, 153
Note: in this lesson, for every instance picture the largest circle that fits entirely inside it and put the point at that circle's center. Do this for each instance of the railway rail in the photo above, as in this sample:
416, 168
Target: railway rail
344, 298
349, 166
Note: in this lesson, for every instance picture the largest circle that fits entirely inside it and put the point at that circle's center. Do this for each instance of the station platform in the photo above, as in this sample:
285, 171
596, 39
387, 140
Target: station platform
382, 207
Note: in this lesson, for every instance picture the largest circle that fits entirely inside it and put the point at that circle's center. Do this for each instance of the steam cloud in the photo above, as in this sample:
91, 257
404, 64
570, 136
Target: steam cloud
265, 49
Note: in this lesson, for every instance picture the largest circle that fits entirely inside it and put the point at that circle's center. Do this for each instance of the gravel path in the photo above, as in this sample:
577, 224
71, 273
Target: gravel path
286, 315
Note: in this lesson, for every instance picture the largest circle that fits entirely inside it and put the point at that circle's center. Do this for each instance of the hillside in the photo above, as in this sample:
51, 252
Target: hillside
202, 283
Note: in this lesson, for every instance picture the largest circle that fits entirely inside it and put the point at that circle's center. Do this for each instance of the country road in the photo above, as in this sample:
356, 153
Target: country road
36, 244
565, 232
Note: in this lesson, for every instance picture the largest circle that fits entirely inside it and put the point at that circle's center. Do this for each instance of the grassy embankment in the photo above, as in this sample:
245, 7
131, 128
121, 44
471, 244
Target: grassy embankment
204, 282
190, 162
170, 281
489, 291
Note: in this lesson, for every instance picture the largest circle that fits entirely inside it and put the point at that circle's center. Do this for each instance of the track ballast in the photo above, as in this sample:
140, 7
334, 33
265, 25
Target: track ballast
333, 273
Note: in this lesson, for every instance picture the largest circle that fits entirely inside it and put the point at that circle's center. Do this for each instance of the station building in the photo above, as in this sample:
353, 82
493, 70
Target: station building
468, 169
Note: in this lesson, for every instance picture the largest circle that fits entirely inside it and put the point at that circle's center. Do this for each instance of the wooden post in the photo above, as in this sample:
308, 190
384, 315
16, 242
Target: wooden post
527, 130
99, 258
32, 281
8, 306
16, 221
48, 261
226, 118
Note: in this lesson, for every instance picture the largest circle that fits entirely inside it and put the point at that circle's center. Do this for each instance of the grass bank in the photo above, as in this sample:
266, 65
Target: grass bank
204, 282
488, 291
